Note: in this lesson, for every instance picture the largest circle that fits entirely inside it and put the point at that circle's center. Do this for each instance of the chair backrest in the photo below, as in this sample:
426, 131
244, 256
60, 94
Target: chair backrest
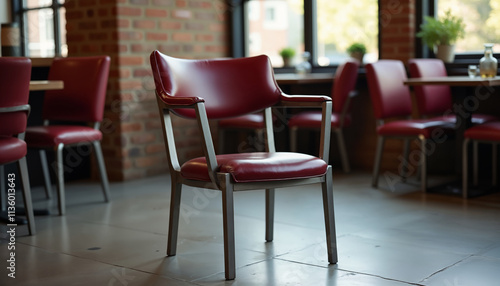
229, 87
431, 99
346, 76
390, 97
15, 74
85, 82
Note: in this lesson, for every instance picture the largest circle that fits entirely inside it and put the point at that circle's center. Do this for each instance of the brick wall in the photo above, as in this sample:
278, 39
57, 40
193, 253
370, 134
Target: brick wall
397, 21
128, 31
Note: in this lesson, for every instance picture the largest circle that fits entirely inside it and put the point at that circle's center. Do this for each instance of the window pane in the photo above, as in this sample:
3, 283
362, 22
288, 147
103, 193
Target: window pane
62, 31
40, 33
342, 23
274, 25
38, 3
481, 18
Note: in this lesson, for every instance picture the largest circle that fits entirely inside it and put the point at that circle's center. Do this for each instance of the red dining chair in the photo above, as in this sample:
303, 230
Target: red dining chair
484, 133
342, 92
80, 103
217, 89
435, 100
392, 99
15, 76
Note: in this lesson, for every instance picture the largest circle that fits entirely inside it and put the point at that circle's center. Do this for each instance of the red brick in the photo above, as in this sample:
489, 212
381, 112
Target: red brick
129, 35
127, 11
182, 37
182, 14
142, 138
156, 36
181, 3
130, 61
141, 72
170, 25
148, 161
205, 38
130, 127
144, 24
156, 13
163, 3
130, 84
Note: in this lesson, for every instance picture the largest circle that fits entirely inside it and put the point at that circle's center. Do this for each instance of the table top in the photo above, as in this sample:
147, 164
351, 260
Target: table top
36, 85
454, 81
293, 78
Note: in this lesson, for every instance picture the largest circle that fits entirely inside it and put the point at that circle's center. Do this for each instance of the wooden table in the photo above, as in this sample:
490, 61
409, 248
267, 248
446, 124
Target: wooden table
467, 93
37, 85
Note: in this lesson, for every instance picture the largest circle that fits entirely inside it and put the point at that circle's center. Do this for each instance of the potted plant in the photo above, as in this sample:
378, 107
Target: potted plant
287, 54
357, 51
442, 34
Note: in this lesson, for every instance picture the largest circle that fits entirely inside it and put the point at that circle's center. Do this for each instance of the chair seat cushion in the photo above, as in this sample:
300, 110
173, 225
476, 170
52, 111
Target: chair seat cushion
476, 118
250, 121
488, 132
48, 136
312, 119
258, 167
11, 149
415, 127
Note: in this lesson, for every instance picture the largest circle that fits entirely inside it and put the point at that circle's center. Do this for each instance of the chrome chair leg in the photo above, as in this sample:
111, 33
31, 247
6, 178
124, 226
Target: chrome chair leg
28, 204
328, 208
173, 224
228, 223
59, 170
46, 174
102, 170
269, 215
343, 151
378, 157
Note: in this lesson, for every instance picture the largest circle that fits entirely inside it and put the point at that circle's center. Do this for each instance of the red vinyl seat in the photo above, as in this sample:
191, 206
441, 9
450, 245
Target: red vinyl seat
392, 99
15, 74
72, 116
435, 100
484, 133
219, 89
344, 83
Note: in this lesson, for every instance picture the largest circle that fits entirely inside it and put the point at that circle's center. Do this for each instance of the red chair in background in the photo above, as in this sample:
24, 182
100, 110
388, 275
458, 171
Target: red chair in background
80, 104
392, 99
484, 133
433, 100
342, 92
15, 76
218, 89
250, 122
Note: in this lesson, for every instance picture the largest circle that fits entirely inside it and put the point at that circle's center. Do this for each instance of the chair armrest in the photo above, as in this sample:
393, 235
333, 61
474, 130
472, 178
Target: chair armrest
303, 100
178, 101
17, 108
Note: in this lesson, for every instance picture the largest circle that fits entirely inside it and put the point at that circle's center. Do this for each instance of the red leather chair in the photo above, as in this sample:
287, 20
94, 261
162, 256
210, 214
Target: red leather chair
217, 89
435, 100
80, 103
342, 91
484, 133
15, 76
392, 99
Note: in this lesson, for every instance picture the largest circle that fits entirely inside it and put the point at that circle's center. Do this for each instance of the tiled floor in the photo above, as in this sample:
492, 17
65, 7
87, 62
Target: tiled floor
385, 237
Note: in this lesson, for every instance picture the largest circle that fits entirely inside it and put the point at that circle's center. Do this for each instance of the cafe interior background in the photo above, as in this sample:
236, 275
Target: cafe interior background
129, 30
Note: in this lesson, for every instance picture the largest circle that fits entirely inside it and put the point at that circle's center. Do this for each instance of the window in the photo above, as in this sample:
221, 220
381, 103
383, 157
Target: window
481, 18
42, 25
325, 28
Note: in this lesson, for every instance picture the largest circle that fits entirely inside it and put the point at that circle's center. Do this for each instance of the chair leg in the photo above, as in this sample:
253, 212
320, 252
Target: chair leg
46, 175
475, 163
3, 190
59, 168
269, 215
343, 151
293, 139
102, 169
406, 151
228, 223
173, 225
465, 167
331, 238
28, 205
423, 165
378, 157
494, 165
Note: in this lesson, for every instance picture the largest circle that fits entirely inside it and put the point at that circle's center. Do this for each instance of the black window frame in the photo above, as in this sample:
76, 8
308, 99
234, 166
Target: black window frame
238, 32
19, 15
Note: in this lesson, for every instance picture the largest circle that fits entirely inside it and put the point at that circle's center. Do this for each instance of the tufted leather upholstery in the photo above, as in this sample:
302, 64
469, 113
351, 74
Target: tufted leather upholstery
436, 99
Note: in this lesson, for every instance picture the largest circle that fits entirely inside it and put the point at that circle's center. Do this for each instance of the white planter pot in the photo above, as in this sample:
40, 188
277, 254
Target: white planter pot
446, 53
